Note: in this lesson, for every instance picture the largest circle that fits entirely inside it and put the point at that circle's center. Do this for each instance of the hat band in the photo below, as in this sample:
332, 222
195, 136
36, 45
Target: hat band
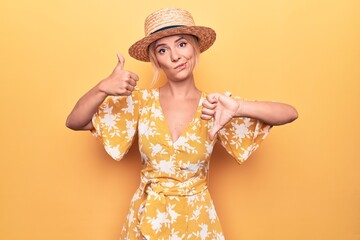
168, 27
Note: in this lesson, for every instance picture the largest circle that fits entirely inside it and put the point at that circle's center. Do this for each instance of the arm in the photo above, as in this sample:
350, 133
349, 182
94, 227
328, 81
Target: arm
119, 83
80, 117
271, 113
223, 109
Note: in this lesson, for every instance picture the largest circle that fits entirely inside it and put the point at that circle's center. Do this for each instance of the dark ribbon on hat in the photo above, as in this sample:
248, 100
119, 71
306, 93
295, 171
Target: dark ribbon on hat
165, 28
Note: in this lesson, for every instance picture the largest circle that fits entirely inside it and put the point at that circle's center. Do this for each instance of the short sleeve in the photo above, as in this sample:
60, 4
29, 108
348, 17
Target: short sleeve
242, 136
115, 123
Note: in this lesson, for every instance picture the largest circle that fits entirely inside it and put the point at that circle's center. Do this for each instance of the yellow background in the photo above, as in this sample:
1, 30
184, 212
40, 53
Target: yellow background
302, 183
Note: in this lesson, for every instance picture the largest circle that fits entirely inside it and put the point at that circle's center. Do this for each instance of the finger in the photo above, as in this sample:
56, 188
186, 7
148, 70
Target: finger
127, 93
214, 131
129, 88
207, 112
121, 60
212, 98
134, 76
208, 105
205, 117
132, 82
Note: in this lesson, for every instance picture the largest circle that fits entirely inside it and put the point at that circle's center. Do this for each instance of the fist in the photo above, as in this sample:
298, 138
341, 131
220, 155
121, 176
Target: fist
221, 108
120, 82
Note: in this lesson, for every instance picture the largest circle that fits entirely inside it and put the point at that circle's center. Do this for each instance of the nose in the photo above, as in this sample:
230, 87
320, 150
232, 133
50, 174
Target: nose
175, 56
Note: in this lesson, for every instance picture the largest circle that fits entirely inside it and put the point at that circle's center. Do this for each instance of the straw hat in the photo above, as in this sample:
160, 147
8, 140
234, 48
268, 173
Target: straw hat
166, 22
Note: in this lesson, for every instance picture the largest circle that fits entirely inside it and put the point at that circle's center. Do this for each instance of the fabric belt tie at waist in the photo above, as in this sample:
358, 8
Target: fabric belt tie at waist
156, 218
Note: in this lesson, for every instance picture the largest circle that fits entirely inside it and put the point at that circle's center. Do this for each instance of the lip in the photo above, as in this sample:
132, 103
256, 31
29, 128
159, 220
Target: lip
180, 66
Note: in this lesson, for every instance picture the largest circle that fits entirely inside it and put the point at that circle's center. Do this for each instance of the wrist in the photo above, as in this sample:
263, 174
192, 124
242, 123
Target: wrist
100, 89
240, 111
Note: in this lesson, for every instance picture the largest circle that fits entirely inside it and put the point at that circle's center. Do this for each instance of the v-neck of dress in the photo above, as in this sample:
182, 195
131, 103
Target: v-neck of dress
186, 129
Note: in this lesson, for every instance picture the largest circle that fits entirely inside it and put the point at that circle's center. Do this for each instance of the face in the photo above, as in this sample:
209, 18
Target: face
176, 57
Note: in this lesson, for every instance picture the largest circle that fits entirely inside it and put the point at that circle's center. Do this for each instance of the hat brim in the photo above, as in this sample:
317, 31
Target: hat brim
206, 37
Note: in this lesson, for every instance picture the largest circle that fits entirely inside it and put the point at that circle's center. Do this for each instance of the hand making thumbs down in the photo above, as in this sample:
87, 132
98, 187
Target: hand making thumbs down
221, 108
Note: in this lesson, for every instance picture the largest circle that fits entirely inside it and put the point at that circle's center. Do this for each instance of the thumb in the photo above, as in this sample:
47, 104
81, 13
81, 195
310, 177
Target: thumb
121, 61
213, 131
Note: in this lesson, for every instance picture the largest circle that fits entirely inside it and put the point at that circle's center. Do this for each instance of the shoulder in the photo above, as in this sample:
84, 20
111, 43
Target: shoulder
146, 93
226, 93
136, 95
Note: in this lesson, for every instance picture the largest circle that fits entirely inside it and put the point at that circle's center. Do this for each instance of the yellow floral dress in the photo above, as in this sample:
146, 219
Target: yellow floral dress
172, 201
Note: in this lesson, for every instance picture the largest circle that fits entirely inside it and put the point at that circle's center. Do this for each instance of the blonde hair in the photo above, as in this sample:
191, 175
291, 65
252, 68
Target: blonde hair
194, 42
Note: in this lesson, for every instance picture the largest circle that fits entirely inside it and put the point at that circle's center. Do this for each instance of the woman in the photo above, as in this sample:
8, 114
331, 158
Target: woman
177, 127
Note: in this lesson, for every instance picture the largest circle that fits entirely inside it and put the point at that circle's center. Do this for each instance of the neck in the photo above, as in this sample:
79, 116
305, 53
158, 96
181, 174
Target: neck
180, 89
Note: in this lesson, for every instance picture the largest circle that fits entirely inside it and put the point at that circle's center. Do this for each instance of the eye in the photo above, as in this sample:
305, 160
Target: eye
182, 44
162, 50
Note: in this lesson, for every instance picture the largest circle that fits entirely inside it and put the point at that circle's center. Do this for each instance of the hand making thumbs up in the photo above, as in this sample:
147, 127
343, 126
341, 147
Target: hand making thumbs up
120, 82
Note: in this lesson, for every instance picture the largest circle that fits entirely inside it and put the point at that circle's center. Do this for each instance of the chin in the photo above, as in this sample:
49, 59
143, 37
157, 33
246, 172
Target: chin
182, 76
180, 79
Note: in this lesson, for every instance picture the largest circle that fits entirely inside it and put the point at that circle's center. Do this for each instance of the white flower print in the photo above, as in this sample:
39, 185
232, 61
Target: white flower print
130, 106
109, 121
209, 148
165, 166
173, 214
144, 158
107, 108
174, 235
182, 143
159, 221
191, 168
115, 99
124, 228
136, 196
137, 232
130, 129
156, 113
212, 213
247, 151
130, 216
114, 152
169, 140
155, 93
204, 231
157, 148
193, 137
210, 124
193, 199
144, 110
146, 129
264, 132
173, 193
196, 213
219, 236
242, 129
145, 95
127, 236
186, 188
196, 124
168, 184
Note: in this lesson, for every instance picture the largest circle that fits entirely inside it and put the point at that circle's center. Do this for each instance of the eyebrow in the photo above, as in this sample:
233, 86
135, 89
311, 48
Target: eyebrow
164, 44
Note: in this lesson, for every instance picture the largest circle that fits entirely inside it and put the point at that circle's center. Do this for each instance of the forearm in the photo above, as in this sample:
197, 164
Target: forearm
81, 116
272, 113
